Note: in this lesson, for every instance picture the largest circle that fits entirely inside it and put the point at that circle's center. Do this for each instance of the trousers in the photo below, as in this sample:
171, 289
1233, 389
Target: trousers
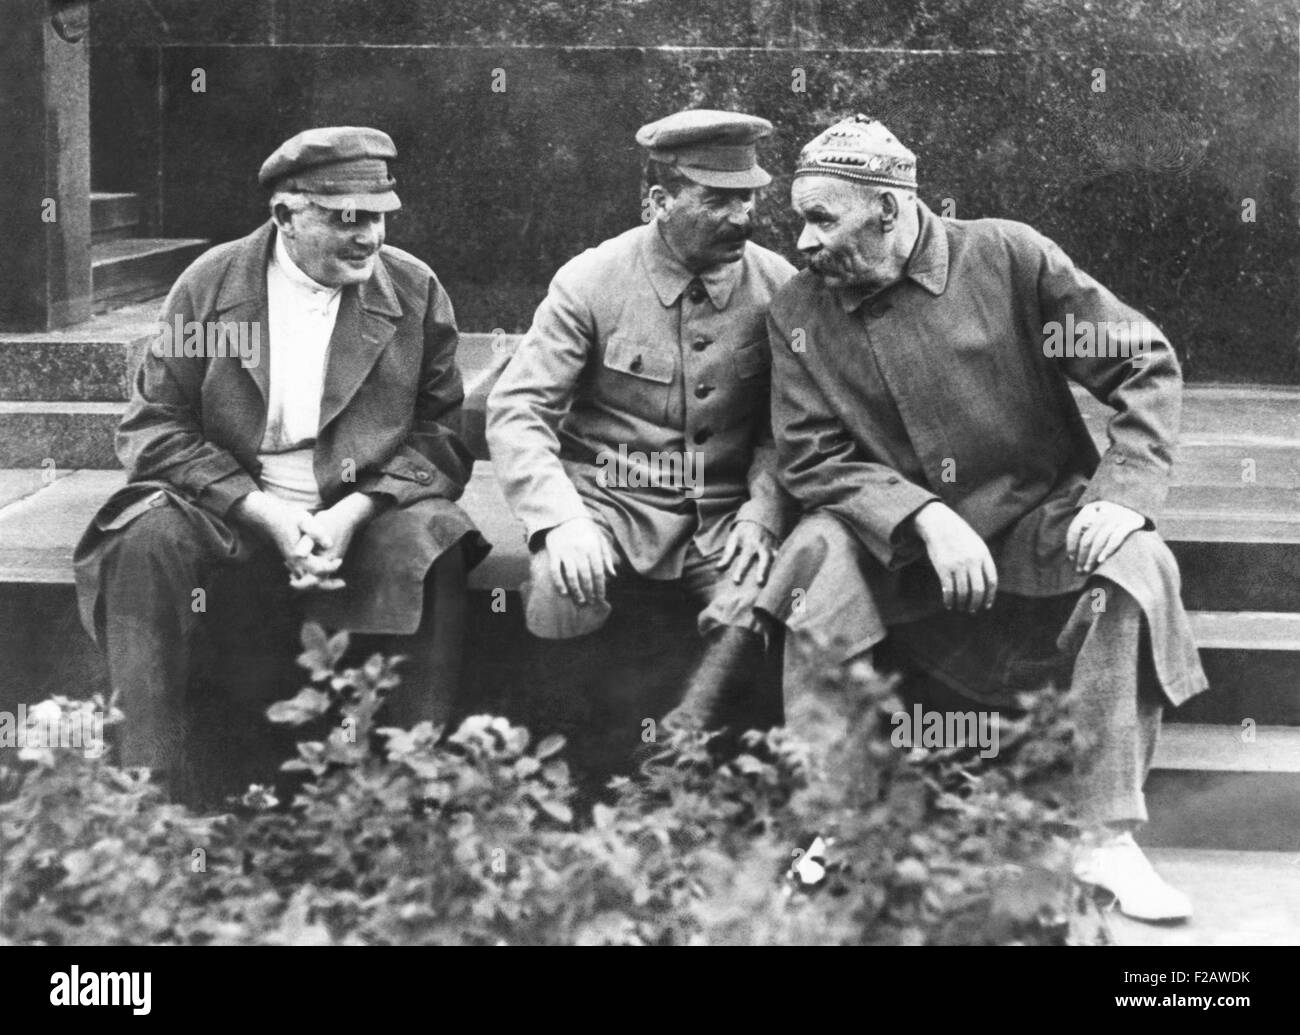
200, 638
720, 600
1098, 643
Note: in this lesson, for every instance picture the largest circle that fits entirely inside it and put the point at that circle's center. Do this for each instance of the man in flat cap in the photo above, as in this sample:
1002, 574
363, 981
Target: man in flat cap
630, 430
313, 475
952, 495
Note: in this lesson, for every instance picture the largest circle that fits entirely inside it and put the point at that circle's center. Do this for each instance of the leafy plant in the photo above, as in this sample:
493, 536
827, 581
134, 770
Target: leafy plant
819, 832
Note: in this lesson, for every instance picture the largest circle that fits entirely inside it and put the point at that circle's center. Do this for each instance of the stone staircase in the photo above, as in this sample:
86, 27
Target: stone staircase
1225, 793
126, 267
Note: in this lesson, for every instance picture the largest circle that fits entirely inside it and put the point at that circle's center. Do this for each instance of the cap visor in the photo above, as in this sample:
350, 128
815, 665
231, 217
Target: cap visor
745, 179
385, 201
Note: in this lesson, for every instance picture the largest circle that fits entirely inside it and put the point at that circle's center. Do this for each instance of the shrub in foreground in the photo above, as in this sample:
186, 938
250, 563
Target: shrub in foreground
819, 832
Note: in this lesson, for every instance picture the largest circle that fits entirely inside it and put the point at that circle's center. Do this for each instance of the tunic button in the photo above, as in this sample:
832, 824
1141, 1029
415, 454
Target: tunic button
702, 436
635, 365
695, 292
422, 476
702, 391
1120, 459
700, 344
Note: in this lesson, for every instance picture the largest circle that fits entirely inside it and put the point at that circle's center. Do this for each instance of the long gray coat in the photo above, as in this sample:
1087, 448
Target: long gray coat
950, 385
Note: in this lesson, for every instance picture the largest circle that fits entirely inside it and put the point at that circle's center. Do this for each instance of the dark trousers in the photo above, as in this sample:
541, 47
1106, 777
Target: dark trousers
199, 644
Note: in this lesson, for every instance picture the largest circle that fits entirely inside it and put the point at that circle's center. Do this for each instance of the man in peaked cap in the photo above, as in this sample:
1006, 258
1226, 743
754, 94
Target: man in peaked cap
952, 495
630, 430
328, 450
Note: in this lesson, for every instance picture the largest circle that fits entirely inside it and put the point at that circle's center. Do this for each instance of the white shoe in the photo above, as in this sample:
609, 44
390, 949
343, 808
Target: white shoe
1119, 866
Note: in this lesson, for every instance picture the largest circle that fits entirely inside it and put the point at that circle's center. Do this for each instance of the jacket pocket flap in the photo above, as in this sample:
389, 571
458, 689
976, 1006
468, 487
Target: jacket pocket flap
751, 359
410, 472
630, 356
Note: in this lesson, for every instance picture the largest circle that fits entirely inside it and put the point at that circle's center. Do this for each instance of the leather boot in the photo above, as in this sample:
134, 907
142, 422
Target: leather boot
724, 682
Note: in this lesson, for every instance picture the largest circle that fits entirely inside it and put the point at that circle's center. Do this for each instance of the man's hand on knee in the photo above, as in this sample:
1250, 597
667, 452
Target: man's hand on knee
748, 544
1097, 531
580, 559
961, 559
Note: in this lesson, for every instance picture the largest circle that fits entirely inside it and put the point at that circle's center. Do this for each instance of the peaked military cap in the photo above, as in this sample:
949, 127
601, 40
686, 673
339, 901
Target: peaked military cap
859, 149
338, 167
715, 148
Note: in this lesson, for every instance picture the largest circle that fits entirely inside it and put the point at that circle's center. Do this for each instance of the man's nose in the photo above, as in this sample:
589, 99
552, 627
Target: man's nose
741, 213
369, 228
807, 240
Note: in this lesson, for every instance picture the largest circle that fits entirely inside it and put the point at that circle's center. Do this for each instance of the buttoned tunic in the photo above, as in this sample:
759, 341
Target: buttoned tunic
947, 385
630, 349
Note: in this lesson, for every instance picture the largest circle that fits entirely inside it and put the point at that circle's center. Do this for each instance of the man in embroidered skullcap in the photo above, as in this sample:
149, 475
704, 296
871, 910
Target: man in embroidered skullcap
952, 496
298, 411
630, 429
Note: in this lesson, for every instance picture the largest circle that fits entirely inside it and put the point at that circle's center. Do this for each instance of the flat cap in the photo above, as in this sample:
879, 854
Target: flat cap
715, 148
339, 167
859, 149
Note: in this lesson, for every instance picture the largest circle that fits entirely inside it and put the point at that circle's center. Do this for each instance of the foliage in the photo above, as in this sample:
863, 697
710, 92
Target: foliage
407, 836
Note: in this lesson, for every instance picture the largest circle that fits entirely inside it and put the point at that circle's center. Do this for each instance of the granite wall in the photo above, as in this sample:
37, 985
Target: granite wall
1176, 185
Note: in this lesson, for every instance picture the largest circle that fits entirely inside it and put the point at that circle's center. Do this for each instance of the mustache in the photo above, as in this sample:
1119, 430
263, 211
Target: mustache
737, 236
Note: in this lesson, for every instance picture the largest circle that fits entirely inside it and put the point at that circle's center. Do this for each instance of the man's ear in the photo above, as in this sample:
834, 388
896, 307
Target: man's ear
283, 217
889, 209
660, 200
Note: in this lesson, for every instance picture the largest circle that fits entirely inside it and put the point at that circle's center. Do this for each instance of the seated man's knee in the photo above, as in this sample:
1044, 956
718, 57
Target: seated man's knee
820, 530
1146, 557
553, 615
161, 535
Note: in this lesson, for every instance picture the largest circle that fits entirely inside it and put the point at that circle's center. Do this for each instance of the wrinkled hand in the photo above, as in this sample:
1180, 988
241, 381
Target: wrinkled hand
581, 559
312, 545
748, 544
1097, 531
326, 540
961, 559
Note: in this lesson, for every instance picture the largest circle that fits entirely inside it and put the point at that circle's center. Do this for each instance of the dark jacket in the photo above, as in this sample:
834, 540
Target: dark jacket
389, 413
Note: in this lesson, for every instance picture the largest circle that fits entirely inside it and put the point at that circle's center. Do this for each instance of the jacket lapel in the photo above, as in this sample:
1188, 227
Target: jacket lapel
243, 298
366, 323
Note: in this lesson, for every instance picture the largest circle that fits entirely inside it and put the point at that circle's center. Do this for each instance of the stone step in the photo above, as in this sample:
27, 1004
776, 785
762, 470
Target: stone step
1247, 630
1262, 412
138, 268
59, 434
42, 513
1233, 463
1230, 749
113, 216
91, 362
42, 516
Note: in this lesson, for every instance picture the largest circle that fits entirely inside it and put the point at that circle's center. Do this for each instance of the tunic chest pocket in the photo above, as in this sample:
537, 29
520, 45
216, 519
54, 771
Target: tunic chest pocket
630, 356
637, 377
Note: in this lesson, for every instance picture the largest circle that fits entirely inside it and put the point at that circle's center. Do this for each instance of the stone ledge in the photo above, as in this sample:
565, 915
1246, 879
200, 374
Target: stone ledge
42, 523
